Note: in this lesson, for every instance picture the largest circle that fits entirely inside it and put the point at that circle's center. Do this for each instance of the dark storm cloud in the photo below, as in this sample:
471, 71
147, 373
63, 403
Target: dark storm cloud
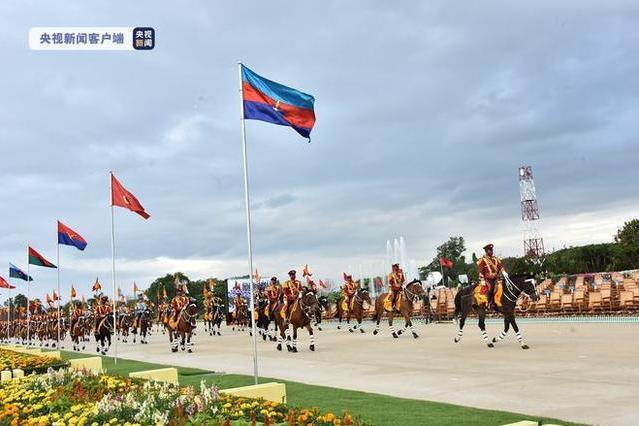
424, 110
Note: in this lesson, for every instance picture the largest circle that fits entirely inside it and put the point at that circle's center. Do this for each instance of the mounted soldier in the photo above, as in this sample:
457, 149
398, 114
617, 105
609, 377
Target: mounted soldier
140, 308
396, 281
291, 289
349, 288
489, 268
179, 302
274, 295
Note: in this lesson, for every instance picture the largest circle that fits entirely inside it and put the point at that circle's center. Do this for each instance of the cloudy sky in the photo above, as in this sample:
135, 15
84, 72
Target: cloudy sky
424, 114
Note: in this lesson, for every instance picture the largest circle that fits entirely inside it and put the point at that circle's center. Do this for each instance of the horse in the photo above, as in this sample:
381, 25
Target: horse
180, 331
143, 324
241, 317
356, 310
412, 292
301, 314
212, 318
513, 288
77, 333
124, 325
322, 306
263, 316
102, 334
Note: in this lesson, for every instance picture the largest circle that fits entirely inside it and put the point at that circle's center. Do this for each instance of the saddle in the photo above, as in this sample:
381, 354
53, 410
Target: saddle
348, 307
283, 311
480, 294
388, 302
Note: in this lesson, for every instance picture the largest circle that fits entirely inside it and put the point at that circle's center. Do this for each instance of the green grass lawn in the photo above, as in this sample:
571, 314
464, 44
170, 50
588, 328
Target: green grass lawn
374, 408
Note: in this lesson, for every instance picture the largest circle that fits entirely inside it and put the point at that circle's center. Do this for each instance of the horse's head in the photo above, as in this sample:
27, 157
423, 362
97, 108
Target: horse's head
363, 294
309, 302
192, 308
527, 284
415, 289
323, 302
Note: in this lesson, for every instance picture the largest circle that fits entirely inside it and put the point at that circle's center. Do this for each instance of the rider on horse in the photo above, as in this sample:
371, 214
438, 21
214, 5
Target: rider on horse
489, 267
179, 302
103, 310
396, 281
349, 288
140, 308
274, 293
77, 313
292, 289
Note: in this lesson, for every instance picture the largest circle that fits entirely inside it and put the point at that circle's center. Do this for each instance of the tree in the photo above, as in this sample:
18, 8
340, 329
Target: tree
627, 250
20, 300
452, 249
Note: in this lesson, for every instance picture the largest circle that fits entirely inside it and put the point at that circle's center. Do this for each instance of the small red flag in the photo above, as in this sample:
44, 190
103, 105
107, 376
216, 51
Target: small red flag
445, 262
322, 284
122, 198
97, 286
5, 284
73, 293
55, 296
306, 272
47, 299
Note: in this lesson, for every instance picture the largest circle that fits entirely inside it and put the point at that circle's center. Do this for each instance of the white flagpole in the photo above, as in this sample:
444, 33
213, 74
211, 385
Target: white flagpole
58, 270
248, 226
115, 359
28, 297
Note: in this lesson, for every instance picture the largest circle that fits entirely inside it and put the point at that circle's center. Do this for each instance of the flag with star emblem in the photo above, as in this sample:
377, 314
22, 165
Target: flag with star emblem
122, 198
69, 237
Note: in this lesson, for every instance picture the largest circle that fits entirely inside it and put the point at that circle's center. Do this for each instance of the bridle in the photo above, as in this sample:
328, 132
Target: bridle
358, 297
190, 318
510, 285
307, 309
412, 296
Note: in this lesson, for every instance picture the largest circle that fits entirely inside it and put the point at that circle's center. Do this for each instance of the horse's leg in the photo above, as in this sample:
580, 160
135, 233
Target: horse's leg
280, 336
409, 323
189, 345
504, 331
311, 337
462, 321
390, 324
482, 327
518, 335
359, 321
378, 314
294, 338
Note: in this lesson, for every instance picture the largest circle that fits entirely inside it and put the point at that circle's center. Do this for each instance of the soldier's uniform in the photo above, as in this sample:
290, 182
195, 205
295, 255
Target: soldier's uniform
274, 294
291, 289
349, 288
103, 310
489, 267
179, 302
396, 281
140, 308
76, 314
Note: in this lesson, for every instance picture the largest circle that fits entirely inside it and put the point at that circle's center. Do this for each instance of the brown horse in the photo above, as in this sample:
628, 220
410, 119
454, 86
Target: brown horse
355, 310
181, 331
412, 292
300, 315
78, 333
124, 326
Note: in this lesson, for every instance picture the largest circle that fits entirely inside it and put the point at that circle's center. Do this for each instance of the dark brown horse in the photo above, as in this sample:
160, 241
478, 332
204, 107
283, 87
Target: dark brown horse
513, 288
300, 315
181, 331
412, 292
355, 310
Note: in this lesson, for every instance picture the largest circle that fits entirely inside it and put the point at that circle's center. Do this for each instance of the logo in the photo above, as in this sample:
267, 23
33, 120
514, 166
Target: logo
143, 38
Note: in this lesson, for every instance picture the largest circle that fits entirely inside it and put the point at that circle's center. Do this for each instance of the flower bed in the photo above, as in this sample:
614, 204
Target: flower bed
10, 360
82, 398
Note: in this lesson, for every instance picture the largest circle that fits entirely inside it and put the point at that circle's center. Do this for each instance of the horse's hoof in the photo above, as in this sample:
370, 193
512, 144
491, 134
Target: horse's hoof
312, 347
494, 340
375, 333
525, 347
190, 351
279, 347
294, 349
399, 333
339, 327
361, 330
210, 334
289, 348
219, 334
456, 340
174, 350
319, 328
415, 335
351, 330
264, 337
490, 345
395, 336
97, 350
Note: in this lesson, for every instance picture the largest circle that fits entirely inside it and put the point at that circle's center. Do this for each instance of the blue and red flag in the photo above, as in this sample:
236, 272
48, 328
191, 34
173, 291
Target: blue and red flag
15, 272
69, 237
266, 100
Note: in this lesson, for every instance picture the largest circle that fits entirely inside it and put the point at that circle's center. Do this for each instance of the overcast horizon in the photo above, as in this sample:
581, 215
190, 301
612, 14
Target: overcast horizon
424, 114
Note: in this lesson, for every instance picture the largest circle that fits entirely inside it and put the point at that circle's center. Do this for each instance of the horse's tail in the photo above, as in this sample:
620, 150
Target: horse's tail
458, 306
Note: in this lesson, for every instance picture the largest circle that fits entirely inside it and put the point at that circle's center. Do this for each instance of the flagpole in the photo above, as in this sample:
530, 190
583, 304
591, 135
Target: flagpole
441, 267
28, 299
248, 226
115, 359
58, 271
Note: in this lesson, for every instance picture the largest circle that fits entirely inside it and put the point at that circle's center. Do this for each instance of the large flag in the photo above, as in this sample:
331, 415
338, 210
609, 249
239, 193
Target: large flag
37, 259
446, 263
266, 100
122, 198
15, 272
5, 284
69, 237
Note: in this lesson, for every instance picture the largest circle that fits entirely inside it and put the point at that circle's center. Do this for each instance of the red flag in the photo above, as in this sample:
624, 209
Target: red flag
322, 284
47, 299
73, 293
306, 272
55, 296
122, 198
5, 284
445, 262
97, 286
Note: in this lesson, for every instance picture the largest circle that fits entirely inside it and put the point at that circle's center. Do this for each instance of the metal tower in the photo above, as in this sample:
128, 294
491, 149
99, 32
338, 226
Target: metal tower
533, 243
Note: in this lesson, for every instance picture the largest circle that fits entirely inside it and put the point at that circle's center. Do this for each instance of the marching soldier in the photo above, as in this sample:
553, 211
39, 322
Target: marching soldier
396, 281
291, 289
489, 267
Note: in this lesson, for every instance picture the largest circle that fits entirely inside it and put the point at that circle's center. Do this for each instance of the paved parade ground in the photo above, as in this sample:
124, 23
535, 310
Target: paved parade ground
582, 372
